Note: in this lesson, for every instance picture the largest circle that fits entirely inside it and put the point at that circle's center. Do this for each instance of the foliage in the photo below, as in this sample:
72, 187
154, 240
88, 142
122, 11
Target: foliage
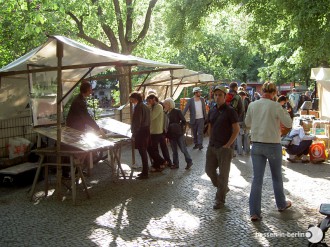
293, 35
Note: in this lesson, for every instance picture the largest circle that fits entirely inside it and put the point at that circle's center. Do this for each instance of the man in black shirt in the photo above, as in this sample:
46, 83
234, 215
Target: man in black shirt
78, 117
223, 130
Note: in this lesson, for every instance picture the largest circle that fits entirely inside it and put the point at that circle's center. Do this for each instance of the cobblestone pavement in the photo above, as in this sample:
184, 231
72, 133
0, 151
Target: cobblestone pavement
172, 208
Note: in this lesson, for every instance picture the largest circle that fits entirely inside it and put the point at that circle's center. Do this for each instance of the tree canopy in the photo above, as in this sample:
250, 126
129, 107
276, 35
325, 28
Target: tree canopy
233, 40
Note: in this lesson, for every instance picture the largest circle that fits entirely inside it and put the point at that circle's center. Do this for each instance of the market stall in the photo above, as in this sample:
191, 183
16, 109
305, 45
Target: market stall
45, 77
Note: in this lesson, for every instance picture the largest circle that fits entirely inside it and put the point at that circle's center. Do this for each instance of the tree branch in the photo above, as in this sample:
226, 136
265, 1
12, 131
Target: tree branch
120, 25
129, 20
144, 31
81, 33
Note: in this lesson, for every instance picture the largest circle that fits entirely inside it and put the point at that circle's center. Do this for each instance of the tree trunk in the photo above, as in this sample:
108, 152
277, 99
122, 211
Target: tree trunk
124, 85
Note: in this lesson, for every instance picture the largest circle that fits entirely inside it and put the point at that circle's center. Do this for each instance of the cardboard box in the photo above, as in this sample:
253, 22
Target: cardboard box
311, 112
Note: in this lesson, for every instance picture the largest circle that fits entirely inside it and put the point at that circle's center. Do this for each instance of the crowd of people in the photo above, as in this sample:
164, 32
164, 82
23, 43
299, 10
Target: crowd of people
237, 124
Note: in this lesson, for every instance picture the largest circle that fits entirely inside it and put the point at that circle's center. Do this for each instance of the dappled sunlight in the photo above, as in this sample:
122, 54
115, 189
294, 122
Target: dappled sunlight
309, 187
109, 226
236, 179
170, 224
116, 218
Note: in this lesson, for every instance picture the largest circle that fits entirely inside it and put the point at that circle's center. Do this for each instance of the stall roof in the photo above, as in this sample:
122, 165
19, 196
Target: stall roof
78, 61
181, 78
322, 77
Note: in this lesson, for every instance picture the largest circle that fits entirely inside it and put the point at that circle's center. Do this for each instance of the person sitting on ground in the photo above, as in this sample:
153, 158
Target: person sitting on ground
299, 147
175, 133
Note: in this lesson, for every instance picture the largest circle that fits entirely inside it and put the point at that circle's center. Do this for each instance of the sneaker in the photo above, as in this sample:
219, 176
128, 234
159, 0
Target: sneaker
196, 146
218, 205
189, 165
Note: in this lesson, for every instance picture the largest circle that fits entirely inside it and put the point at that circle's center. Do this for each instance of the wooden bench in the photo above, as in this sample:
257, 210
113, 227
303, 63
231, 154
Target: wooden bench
18, 169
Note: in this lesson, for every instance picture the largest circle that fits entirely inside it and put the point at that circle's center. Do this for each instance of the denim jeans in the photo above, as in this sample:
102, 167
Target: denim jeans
243, 141
260, 153
174, 145
198, 131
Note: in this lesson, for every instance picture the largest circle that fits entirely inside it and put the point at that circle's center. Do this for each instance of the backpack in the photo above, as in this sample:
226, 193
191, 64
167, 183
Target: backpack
232, 100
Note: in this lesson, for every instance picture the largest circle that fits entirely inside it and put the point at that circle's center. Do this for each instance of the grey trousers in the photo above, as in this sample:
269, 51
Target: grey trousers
219, 158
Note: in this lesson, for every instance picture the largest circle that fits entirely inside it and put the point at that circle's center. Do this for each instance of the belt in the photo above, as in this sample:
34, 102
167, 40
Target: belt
265, 142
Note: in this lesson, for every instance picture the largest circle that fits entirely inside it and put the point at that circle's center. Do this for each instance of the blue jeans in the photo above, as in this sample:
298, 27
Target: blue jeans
260, 153
198, 131
243, 141
174, 145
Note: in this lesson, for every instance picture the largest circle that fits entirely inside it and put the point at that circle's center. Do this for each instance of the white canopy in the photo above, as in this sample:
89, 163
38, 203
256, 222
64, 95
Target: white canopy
322, 77
171, 86
79, 60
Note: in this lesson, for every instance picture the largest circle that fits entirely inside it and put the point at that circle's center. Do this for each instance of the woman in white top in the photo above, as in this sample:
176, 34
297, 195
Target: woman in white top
263, 117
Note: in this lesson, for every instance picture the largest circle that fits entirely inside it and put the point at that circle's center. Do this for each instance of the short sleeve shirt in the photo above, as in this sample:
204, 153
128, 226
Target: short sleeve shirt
221, 120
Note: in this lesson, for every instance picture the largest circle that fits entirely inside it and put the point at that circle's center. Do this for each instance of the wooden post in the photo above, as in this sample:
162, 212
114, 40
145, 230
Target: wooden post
59, 54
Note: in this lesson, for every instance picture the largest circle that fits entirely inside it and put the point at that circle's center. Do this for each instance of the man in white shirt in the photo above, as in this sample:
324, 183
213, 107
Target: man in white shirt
197, 109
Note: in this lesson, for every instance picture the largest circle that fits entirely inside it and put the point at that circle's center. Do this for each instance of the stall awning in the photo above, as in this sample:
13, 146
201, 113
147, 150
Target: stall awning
78, 60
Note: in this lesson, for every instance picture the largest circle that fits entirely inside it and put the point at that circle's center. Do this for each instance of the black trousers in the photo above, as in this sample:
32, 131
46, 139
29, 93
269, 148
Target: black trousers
153, 150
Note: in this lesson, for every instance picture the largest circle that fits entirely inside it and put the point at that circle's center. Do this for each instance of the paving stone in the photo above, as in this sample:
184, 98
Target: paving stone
172, 208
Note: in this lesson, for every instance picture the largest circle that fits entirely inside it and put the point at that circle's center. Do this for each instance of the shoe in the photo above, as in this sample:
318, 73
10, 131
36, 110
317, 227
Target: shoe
174, 167
141, 174
200, 147
142, 177
255, 217
189, 165
164, 165
154, 169
218, 205
295, 160
288, 205
304, 161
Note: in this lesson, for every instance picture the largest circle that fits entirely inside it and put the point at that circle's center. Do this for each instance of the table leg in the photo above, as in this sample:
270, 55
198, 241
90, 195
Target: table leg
73, 179
36, 177
81, 175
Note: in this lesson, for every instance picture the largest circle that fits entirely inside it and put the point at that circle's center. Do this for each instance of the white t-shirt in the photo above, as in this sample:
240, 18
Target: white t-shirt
199, 110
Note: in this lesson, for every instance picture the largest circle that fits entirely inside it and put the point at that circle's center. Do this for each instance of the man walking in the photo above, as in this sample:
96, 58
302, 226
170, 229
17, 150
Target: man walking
223, 130
197, 109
